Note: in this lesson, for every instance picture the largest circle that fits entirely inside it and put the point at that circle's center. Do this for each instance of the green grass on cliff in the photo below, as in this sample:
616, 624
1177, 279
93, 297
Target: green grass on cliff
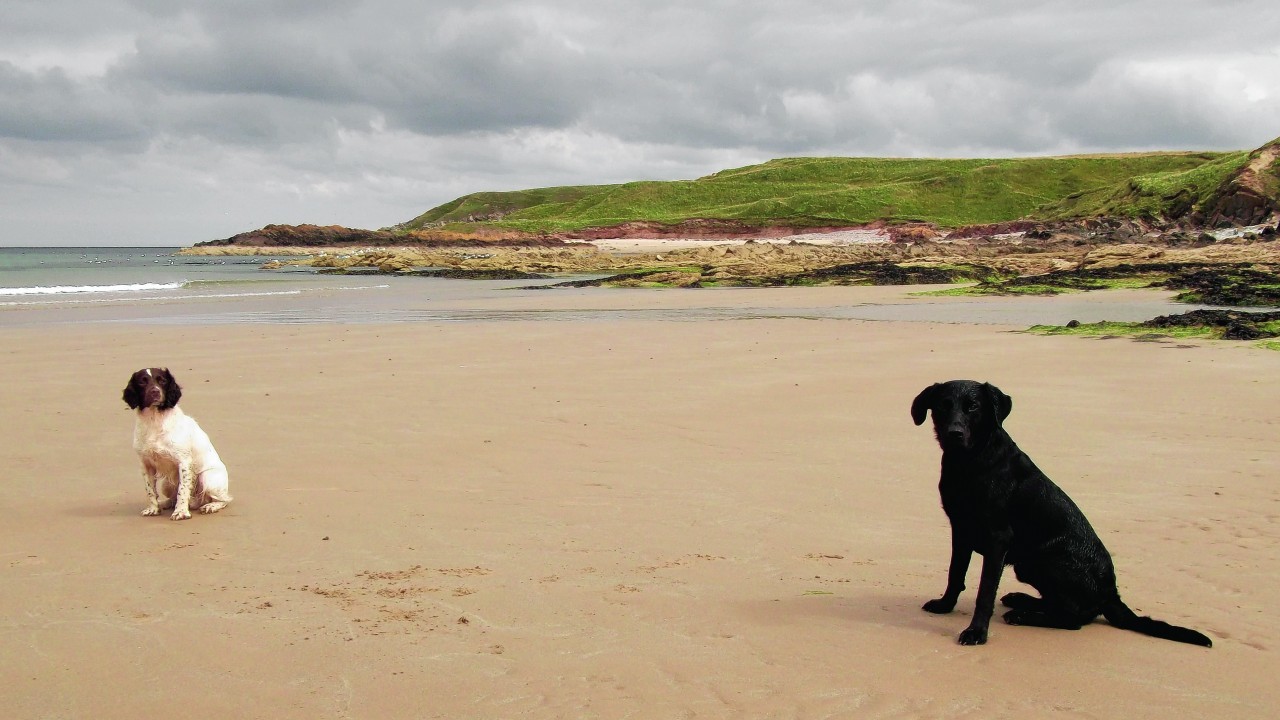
813, 192
1159, 194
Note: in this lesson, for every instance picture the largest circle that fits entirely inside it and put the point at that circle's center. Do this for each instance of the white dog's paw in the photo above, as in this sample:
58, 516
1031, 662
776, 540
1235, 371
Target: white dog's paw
212, 507
151, 510
181, 514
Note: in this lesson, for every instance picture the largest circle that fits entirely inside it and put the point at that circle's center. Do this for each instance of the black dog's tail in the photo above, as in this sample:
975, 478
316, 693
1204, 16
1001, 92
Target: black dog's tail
1119, 615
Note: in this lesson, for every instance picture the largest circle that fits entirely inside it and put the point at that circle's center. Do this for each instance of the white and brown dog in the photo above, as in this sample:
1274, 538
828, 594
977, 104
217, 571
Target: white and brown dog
179, 465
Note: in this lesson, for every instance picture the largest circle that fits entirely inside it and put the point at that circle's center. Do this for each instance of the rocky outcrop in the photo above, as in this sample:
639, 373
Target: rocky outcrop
1040, 230
1013, 254
1249, 197
1239, 206
302, 236
1234, 324
318, 236
1126, 254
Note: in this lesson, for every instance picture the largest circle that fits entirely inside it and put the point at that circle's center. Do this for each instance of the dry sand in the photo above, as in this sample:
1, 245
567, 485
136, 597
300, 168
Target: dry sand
617, 519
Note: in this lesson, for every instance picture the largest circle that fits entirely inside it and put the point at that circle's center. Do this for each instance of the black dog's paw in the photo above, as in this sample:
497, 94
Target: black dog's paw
1020, 601
941, 606
1017, 617
973, 636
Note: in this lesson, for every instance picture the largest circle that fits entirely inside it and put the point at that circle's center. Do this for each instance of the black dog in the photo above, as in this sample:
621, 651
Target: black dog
1002, 507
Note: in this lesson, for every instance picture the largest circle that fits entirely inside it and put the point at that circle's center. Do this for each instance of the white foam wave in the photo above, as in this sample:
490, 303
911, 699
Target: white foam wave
170, 298
87, 289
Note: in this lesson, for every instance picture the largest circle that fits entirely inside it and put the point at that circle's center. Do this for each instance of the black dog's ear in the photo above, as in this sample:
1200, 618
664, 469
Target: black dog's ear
132, 397
172, 391
920, 406
1001, 402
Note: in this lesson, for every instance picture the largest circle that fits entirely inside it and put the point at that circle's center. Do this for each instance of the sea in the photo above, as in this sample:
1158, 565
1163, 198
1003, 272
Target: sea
62, 274
155, 285
151, 284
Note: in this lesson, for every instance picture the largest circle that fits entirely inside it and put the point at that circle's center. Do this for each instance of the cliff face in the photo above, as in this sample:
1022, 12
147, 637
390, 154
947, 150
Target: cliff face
1248, 197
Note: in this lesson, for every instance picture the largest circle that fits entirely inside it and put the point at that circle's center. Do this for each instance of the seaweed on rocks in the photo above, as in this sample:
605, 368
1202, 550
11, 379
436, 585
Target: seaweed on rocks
876, 273
477, 274
1232, 285
1078, 279
449, 273
651, 277
860, 273
1234, 324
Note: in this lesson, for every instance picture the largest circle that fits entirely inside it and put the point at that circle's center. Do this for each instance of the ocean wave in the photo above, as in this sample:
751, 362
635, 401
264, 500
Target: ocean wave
87, 289
171, 298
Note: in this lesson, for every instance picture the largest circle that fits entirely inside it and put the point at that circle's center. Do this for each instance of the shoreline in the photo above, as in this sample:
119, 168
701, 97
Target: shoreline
748, 280
380, 299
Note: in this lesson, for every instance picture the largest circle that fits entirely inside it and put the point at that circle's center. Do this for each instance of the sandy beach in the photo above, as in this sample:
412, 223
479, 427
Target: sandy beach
613, 518
839, 237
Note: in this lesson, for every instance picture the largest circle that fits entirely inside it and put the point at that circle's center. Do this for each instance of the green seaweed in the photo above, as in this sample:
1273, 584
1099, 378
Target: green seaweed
1232, 284
1197, 324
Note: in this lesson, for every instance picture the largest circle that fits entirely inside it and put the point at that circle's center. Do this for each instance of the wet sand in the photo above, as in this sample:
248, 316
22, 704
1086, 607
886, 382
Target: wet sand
389, 299
609, 518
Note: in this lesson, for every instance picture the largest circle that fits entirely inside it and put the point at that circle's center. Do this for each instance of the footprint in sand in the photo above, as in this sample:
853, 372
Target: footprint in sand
386, 601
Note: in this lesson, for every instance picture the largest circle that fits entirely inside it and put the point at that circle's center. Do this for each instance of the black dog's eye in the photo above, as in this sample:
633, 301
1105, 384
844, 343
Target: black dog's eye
971, 406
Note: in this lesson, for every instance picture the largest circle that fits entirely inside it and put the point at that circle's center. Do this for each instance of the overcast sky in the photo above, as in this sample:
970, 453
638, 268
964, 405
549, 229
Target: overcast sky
164, 122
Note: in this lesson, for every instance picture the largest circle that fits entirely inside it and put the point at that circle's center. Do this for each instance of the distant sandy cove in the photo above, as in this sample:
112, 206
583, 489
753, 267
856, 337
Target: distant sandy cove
649, 245
607, 519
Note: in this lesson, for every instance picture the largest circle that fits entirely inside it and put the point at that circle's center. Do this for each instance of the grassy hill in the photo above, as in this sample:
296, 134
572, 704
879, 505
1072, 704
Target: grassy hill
1168, 193
1239, 187
818, 192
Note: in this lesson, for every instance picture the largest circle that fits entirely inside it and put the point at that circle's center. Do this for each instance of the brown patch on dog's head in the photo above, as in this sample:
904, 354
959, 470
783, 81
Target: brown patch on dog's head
152, 387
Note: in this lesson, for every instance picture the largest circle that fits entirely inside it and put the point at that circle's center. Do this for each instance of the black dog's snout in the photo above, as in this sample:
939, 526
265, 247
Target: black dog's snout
954, 430
955, 438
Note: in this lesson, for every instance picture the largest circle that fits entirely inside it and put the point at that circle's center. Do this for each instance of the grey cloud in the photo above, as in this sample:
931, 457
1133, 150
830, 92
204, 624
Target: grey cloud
349, 108
49, 105
457, 72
